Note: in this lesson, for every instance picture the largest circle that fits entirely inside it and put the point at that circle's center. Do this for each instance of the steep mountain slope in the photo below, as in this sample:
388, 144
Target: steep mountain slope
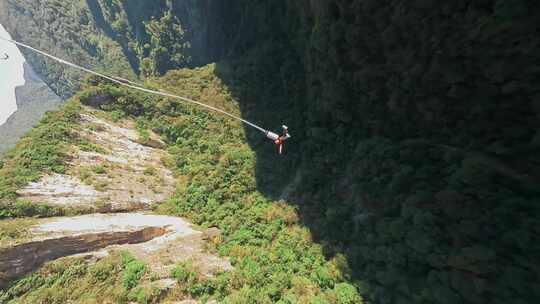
118, 37
414, 159
415, 149
107, 167
272, 254
415, 130
68, 30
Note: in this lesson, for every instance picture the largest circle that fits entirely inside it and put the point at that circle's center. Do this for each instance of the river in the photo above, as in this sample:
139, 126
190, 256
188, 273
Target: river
11, 76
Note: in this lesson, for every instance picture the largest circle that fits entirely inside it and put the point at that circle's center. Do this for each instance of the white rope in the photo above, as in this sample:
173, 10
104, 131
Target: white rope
132, 85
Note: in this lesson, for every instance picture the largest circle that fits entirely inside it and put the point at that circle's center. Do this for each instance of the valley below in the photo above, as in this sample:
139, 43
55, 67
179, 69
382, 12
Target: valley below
25, 97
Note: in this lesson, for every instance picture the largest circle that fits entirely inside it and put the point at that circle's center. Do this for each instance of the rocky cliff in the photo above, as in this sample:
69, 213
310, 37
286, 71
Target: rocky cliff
115, 172
24, 258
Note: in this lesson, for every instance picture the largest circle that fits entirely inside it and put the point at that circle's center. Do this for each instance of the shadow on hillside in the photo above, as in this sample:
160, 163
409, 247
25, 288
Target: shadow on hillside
271, 95
450, 167
458, 183
100, 21
264, 103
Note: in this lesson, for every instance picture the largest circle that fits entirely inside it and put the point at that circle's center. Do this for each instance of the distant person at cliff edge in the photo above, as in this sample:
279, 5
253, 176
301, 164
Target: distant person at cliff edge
279, 141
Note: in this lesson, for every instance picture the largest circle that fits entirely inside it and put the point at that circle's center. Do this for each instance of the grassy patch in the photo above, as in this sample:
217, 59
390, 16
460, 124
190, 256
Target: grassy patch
22, 208
14, 231
86, 175
143, 132
192, 284
88, 146
116, 116
185, 273
100, 169
43, 150
114, 279
101, 186
134, 271
149, 170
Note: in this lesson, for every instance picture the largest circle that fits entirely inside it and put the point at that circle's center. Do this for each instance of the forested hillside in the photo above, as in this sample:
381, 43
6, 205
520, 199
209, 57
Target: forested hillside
127, 39
67, 30
414, 158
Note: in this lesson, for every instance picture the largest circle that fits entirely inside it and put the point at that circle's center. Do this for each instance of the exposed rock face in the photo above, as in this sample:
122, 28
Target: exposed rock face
124, 143
117, 171
160, 241
162, 254
132, 178
60, 189
21, 259
105, 223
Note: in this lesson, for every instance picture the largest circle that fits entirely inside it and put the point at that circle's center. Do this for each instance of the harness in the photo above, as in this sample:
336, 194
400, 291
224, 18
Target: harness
279, 141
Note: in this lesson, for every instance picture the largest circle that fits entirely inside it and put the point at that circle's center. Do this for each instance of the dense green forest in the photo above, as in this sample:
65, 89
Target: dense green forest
414, 161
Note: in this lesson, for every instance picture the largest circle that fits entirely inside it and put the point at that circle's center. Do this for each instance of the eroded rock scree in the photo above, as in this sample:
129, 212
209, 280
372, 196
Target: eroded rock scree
120, 173
124, 173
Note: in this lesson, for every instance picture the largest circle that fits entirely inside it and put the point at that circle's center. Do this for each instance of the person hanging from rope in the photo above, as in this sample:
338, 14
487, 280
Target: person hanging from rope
279, 141
6, 57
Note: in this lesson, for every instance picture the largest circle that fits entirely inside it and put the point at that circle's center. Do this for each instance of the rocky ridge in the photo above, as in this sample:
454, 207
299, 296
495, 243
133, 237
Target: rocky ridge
113, 173
114, 170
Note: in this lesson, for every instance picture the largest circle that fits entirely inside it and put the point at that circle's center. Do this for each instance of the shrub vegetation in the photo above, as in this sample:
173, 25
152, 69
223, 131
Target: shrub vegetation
44, 150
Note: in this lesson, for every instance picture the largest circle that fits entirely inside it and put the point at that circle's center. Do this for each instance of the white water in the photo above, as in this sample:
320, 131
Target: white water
11, 76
